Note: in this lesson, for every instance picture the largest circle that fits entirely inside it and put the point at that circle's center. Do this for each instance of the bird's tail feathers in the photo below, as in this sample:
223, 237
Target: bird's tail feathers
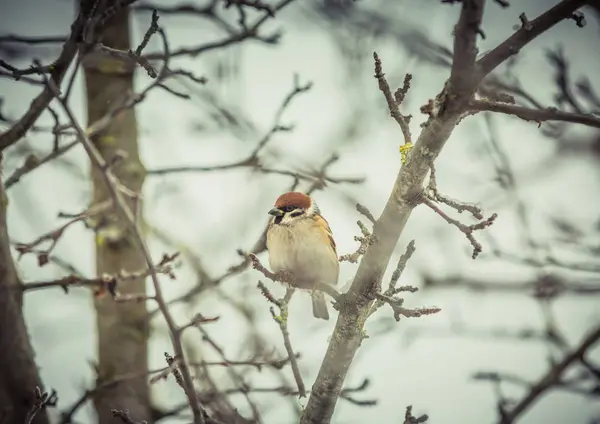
319, 305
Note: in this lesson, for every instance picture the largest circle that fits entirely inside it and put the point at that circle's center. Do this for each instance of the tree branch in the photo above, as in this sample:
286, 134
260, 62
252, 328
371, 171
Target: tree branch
253, 160
32, 162
528, 32
551, 378
246, 33
42, 400
467, 230
365, 241
59, 69
465, 44
48, 39
281, 320
409, 418
103, 283
536, 115
394, 101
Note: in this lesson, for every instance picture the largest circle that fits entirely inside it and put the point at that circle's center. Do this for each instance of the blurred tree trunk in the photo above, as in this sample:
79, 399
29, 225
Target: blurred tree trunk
18, 372
123, 328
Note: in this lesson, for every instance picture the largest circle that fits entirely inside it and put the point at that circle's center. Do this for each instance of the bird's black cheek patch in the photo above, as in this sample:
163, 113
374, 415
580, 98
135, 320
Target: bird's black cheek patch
297, 213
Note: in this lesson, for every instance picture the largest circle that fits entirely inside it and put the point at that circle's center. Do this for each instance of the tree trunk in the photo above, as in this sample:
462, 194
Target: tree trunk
18, 372
123, 328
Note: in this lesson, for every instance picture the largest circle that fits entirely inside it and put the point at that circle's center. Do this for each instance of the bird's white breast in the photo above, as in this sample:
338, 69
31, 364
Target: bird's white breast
300, 249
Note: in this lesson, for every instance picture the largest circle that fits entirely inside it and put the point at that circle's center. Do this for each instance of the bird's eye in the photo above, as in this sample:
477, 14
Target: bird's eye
288, 208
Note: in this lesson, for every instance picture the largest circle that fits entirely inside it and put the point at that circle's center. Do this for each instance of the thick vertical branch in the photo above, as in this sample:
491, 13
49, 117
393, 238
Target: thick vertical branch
465, 43
122, 327
407, 190
18, 373
348, 332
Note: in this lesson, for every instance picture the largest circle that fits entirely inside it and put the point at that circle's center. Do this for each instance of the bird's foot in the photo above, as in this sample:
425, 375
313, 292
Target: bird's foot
284, 277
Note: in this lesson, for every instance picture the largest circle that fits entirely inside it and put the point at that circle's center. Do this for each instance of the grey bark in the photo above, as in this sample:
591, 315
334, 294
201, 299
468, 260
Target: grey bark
18, 372
123, 328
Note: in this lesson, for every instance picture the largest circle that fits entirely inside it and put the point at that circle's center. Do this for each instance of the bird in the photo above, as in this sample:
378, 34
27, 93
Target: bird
301, 245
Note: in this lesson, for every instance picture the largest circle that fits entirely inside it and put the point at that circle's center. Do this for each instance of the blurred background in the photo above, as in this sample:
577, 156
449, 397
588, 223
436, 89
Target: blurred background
531, 296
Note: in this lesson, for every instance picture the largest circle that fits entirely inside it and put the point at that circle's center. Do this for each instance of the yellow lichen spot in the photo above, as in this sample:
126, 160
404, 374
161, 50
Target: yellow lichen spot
110, 66
99, 240
363, 334
404, 150
4, 200
108, 140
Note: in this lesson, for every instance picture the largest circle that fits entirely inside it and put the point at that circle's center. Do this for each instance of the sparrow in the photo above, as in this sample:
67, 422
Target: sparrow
301, 245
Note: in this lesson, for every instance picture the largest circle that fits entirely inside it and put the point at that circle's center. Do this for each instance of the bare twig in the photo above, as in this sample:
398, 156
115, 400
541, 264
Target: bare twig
207, 11
460, 207
32, 70
572, 385
364, 211
106, 282
249, 32
552, 377
136, 56
123, 415
389, 295
525, 34
197, 321
535, 115
395, 101
392, 290
128, 57
401, 311
433, 195
152, 29
54, 235
59, 68
365, 241
42, 400
281, 320
466, 229
253, 4
253, 160
410, 419
47, 39
546, 286
236, 377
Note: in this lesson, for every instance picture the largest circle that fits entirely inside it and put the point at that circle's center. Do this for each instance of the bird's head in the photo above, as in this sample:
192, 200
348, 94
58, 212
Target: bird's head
293, 206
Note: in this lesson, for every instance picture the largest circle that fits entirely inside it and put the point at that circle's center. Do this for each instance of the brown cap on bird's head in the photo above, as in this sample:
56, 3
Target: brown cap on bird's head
293, 198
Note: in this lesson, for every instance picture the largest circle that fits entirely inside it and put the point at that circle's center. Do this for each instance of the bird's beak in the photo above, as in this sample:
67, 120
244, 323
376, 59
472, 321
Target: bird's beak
276, 212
